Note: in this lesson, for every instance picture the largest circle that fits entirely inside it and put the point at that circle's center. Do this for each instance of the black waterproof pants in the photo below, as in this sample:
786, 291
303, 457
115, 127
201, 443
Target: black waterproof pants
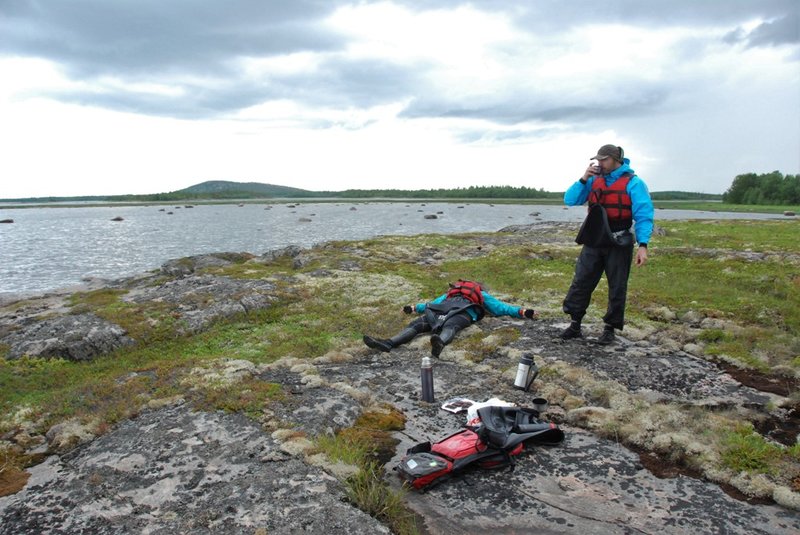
615, 262
448, 329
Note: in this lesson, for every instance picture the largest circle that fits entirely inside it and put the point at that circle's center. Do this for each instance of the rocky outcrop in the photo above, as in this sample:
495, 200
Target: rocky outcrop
176, 470
173, 469
78, 337
199, 300
188, 265
44, 327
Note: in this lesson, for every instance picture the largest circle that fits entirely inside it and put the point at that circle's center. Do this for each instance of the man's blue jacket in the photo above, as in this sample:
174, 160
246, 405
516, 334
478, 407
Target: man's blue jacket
642, 205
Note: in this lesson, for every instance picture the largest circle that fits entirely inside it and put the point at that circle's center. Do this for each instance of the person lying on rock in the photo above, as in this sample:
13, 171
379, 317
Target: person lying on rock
464, 302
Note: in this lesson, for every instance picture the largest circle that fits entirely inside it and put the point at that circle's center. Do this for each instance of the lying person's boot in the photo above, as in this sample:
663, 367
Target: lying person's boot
571, 332
437, 344
607, 337
377, 343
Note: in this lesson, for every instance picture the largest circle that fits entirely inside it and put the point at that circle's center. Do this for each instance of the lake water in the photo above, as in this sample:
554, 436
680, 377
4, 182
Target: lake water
54, 247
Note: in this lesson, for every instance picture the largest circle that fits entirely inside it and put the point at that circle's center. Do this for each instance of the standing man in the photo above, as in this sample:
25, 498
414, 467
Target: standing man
617, 199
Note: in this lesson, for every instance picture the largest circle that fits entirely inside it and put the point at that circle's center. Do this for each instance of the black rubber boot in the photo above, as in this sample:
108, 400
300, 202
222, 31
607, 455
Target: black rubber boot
607, 337
377, 343
436, 345
438, 341
573, 331
405, 336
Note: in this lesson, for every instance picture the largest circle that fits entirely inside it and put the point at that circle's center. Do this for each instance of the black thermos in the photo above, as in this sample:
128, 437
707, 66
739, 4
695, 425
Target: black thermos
426, 372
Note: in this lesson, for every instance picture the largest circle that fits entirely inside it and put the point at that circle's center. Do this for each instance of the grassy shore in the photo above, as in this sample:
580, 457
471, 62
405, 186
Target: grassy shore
726, 207
743, 274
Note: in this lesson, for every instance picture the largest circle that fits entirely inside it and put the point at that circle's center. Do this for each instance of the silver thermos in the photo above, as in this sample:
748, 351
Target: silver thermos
426, 372
526, 373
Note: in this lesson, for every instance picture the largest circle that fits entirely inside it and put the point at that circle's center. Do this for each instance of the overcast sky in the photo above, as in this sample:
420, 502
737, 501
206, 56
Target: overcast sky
103, 97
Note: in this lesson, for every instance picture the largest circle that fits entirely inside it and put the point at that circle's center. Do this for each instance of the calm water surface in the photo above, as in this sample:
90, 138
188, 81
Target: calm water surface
55, 247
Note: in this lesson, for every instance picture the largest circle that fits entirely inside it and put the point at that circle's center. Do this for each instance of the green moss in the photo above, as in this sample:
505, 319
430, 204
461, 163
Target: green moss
476, 345
82, 302
249, 396
745, 451
388, 419
13, 476
713, 336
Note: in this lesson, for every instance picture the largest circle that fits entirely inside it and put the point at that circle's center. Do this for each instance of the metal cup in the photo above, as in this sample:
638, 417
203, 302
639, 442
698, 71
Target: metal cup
539, 405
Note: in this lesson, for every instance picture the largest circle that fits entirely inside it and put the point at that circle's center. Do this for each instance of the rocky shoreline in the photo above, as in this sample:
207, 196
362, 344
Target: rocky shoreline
173, 469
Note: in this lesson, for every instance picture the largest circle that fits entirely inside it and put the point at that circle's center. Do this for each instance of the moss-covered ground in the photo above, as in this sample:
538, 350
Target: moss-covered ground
744, 273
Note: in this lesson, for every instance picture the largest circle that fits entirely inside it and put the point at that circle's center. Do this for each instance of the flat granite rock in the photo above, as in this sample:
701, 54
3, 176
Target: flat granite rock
587, 484
590, 486
177, 471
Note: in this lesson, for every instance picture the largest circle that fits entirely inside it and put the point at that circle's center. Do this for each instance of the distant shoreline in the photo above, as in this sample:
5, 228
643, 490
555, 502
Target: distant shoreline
679, 204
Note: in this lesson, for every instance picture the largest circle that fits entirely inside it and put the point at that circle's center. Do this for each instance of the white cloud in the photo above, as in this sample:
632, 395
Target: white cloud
385, 94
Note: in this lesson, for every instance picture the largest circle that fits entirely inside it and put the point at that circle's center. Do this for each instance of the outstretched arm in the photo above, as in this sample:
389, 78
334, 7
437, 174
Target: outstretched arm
496, 307
419, 308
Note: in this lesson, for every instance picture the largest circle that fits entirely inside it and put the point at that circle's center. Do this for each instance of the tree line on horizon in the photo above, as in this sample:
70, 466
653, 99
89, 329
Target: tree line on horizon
766, 189
772, 188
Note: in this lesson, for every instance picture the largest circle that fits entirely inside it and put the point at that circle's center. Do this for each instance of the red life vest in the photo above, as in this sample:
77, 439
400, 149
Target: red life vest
614, 199
469, 289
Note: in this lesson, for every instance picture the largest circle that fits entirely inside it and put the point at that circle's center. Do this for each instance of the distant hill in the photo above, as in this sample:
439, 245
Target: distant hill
216, 188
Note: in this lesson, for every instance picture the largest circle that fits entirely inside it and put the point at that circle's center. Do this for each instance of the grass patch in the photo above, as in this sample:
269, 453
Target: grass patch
82, 302
367, 491
743, 450
367, 439
346, 448
368, 444
757, 294
13, 477
249, 396
760, 236
479, 348
516, 272
725, 207
144, 322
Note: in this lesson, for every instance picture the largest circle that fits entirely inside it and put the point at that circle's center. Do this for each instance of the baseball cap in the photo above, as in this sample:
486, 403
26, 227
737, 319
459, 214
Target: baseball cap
606, 151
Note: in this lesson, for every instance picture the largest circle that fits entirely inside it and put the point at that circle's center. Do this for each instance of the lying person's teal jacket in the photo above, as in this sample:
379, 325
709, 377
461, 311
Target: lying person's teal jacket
491, 304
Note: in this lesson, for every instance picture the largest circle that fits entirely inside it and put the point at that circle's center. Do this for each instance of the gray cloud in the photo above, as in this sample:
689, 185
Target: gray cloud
340, 83
146, 37
180, 42
196, 46
504, 136
617, 100
782, 31
557, 15
345, 82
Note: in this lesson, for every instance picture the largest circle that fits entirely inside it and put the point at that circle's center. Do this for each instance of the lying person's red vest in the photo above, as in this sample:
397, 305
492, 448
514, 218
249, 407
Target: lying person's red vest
469, 289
